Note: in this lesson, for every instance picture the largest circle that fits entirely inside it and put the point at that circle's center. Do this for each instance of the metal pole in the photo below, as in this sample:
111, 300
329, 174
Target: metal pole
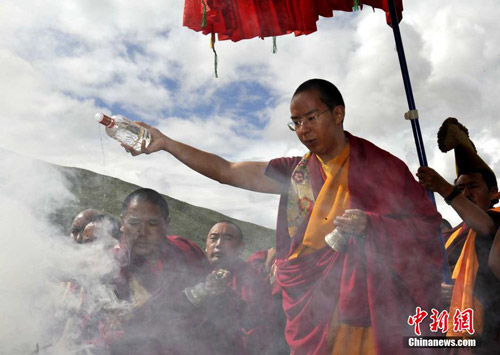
417, 135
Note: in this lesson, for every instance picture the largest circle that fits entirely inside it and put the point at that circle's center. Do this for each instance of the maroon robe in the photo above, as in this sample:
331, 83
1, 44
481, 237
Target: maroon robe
258, 261
261, 262
237, 322
378, 282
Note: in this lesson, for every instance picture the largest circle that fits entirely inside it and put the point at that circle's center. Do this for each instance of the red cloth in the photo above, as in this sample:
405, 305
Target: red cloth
256, 294
262, 263
378, 282
243, 19
258, 261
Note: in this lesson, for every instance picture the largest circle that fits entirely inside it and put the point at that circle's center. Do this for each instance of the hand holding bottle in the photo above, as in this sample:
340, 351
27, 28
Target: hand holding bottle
157, 141
125, 131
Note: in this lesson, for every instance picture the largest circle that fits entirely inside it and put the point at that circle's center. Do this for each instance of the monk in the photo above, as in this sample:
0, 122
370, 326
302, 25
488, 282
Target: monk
100, 226
80, 220
468, 245
236, 316
156, 270
88, 226
352, 301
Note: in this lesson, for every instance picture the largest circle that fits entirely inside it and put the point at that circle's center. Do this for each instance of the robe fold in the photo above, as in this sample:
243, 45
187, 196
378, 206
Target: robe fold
262, 261
375, 283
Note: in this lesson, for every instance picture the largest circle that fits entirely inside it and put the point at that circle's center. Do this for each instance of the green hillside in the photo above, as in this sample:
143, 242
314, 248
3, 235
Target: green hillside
93, 190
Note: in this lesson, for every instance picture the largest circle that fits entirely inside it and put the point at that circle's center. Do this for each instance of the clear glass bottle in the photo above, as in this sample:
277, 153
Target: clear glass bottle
124, 130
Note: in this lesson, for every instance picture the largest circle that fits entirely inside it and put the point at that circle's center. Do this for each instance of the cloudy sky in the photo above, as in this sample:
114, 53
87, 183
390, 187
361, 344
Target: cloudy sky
63, 61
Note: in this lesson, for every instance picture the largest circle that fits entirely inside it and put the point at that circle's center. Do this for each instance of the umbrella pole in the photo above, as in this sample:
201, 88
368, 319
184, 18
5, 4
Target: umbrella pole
417, 135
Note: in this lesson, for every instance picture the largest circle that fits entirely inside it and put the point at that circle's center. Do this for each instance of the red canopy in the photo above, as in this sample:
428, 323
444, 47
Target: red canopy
243, 19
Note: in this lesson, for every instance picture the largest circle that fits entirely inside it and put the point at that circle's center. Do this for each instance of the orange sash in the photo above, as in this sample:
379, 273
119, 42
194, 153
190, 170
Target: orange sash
464, 275
331, 202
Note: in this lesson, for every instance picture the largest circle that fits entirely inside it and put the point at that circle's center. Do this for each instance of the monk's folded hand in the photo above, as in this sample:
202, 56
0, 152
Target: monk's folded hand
430, 179
156, 144
352, 222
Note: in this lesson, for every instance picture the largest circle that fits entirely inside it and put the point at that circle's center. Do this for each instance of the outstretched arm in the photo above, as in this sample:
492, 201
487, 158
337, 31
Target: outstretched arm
246, 175
471, 214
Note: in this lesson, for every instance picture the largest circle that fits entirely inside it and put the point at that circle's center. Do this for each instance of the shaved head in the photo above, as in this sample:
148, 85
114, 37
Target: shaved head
80, 220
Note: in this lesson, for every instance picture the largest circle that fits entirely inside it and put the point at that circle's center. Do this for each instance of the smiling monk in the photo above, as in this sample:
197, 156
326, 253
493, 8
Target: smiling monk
342, 302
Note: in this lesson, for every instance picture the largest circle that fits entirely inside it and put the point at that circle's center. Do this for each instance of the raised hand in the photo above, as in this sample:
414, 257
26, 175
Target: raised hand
431, 180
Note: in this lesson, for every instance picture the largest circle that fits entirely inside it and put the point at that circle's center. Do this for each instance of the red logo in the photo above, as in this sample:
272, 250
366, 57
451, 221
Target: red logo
439, 321
464, 320
417, 319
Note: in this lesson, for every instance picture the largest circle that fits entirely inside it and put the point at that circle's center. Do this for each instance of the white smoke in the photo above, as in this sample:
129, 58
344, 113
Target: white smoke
35, 258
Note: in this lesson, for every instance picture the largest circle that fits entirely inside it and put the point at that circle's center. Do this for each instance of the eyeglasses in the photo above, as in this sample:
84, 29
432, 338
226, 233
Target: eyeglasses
311, 121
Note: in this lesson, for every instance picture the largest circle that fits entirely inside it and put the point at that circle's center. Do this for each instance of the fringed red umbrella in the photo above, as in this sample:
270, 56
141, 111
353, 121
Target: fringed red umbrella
244, 19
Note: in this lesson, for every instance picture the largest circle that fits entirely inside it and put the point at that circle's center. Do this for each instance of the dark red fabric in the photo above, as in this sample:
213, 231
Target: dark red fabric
258, 315
276, 319
378, 282
244, 19
258, 261
240, 320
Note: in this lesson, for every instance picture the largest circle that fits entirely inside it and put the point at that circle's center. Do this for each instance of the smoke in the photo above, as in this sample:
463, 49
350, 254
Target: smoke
36, 258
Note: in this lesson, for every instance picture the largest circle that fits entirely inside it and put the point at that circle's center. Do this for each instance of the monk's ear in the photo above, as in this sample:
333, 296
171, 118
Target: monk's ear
493, 192
339, 114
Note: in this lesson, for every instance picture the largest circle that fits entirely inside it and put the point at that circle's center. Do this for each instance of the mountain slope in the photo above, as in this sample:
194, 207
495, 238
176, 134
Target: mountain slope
93, 190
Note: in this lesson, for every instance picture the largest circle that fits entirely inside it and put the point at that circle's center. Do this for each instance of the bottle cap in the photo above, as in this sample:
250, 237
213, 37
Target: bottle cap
105, 120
